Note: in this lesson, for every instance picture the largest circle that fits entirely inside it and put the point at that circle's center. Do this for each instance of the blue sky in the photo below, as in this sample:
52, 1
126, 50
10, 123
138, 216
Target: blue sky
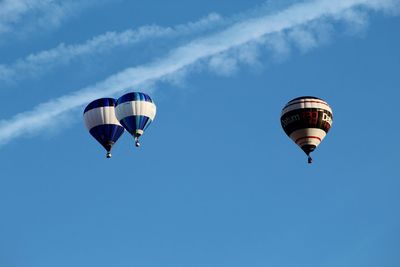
216, 181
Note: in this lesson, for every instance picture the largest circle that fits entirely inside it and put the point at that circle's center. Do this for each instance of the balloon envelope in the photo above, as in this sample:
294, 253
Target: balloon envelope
307, 120
100, 120
135, 111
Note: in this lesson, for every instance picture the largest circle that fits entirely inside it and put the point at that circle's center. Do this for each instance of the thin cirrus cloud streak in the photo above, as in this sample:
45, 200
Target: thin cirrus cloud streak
39, 63
28, 14
237, 35
12, 11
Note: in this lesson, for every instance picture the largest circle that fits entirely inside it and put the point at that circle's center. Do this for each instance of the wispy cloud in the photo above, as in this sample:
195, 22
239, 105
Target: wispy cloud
11, 12
38, 63
242, 33
27, 14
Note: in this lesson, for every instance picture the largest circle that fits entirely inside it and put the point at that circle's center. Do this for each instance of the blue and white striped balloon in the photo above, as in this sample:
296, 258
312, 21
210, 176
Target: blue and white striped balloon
100, 120
135, 111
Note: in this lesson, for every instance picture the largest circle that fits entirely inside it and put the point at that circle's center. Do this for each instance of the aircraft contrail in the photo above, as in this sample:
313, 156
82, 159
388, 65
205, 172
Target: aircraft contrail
37, 63
238, 34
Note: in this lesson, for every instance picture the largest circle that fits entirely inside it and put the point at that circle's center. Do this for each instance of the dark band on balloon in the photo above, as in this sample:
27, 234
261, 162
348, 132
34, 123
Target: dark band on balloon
306, 118
305, 97
107, 134
305, 101
134, 123
134, 96
102, 102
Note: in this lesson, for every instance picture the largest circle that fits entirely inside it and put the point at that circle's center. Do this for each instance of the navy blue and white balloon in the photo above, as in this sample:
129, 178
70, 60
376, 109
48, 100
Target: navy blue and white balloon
100, 120
135, 111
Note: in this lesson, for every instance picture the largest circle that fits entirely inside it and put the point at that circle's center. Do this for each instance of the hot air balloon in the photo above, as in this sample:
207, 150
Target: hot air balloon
135, 111
307, 120
100, 120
